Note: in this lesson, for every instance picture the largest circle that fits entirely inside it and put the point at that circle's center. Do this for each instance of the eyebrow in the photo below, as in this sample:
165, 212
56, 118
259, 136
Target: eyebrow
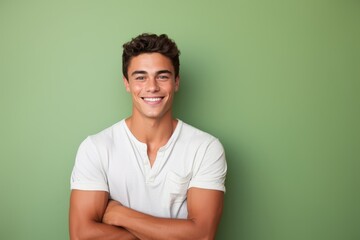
144, 72
138, 72
164, 71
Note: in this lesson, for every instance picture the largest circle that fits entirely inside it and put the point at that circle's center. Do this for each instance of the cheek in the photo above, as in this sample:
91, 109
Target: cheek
172, 90
169, 88
135, 89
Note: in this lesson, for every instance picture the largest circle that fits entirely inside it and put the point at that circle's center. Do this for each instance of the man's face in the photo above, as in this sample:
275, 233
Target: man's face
152, 84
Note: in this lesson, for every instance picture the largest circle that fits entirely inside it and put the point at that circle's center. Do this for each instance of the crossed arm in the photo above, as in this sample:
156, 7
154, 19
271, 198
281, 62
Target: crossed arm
85, 218
91, 217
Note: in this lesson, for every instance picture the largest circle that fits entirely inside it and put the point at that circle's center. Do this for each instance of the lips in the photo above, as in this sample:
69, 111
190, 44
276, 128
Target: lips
152, 100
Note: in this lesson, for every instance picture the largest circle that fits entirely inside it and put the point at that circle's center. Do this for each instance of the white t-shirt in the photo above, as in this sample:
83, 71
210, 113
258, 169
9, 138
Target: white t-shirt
115, 161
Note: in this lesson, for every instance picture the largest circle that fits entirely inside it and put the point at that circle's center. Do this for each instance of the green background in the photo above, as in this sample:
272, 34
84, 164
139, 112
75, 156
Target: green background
276, 81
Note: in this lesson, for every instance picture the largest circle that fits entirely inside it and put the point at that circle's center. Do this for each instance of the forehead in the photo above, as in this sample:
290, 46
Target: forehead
150, 62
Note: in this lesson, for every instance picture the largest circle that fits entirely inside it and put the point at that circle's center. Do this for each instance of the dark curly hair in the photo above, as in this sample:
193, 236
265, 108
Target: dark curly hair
150, 43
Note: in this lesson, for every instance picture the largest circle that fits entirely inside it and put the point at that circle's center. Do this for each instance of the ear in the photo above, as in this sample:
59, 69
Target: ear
177, 83
126, 83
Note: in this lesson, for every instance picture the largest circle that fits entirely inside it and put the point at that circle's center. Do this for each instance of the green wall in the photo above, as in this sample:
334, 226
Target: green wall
276, 81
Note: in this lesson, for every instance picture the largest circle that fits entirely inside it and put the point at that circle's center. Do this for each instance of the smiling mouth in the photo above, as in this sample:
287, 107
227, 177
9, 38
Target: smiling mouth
153, 99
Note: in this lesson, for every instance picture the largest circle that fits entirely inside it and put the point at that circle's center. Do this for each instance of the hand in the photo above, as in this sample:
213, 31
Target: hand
110, 212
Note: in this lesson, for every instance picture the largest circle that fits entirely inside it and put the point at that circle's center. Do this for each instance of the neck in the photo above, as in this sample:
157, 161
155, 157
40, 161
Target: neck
152, 131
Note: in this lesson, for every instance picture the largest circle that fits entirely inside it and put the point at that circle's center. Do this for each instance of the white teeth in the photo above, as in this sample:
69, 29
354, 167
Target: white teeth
152, 99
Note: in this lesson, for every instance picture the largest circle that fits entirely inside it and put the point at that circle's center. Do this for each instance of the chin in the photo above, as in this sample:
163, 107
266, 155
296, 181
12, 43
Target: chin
154, 115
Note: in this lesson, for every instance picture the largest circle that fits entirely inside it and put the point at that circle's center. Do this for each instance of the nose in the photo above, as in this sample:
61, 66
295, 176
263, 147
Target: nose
152, 85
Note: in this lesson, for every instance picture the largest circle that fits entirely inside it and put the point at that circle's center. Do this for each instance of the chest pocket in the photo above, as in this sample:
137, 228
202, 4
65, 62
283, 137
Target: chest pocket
176, 187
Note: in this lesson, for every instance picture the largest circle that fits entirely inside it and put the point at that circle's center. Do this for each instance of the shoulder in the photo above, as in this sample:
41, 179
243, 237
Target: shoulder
106, 137
196, 136
190, 132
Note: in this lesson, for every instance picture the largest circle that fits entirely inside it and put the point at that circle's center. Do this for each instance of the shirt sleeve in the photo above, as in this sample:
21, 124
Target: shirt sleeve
211, 172
88, 172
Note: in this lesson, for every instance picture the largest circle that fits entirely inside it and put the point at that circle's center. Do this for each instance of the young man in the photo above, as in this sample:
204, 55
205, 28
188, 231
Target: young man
149, 176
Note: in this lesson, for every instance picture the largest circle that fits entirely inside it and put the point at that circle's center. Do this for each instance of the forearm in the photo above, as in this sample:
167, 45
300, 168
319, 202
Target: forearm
99, 231
148, 227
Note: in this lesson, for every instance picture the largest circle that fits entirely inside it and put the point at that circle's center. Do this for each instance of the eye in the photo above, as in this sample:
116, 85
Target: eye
163, 77
140, 78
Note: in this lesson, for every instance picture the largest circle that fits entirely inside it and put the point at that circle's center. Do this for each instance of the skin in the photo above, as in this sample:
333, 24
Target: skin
152, 84
151, 76
85, 217
204, 207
